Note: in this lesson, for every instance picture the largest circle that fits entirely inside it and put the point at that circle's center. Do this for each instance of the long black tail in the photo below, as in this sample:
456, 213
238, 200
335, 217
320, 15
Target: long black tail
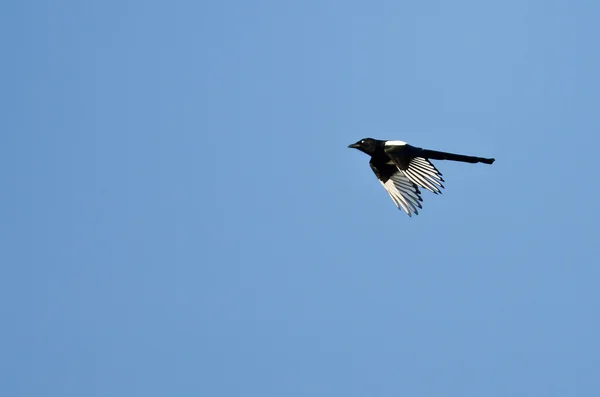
435, 155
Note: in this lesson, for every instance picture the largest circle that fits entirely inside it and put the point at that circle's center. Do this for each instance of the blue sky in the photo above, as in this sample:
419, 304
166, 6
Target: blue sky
181, 215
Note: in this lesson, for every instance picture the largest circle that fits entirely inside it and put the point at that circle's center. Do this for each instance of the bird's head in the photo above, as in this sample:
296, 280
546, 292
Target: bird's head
366, 145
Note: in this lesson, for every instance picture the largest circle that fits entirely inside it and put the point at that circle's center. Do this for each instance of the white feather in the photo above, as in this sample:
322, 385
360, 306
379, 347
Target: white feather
424, 174
395, 143
403, 193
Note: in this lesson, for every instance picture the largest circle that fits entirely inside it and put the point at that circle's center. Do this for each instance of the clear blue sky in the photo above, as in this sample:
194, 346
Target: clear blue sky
181, 217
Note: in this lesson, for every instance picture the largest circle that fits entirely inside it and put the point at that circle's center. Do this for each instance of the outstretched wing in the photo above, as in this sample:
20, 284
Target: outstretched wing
404, 193
417, 169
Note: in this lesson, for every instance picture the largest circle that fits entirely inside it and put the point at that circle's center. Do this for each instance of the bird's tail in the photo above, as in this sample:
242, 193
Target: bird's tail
435, 155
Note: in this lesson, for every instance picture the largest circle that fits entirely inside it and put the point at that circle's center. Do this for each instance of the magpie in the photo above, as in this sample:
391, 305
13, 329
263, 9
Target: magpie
402, 169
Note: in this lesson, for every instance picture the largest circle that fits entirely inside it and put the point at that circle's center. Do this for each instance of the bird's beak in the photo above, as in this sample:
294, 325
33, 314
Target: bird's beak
354, 146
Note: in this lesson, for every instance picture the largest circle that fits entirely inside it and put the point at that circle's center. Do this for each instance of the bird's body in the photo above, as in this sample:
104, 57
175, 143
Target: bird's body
402, 169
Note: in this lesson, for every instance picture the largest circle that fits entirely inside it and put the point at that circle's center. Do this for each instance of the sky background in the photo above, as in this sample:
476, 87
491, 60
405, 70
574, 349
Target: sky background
181, 215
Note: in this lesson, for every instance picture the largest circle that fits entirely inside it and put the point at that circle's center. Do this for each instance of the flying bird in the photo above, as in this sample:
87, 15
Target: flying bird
402, 169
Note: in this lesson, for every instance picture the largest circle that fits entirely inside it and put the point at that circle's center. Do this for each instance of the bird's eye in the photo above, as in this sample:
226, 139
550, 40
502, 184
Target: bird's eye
363, 141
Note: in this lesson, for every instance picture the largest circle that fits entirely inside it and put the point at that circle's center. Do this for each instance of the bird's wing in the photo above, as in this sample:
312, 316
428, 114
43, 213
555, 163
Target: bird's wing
417, 169
403, 192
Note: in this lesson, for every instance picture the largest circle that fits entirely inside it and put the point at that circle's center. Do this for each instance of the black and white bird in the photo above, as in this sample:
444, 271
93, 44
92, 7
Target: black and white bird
402, 169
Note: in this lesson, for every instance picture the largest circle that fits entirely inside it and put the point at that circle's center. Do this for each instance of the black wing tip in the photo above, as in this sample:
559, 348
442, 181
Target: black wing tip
410, 213
411, 210
488, 161
406, 212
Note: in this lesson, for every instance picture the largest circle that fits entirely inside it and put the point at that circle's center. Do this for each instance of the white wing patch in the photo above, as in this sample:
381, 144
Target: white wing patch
424, 174
403, 192
395, 143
